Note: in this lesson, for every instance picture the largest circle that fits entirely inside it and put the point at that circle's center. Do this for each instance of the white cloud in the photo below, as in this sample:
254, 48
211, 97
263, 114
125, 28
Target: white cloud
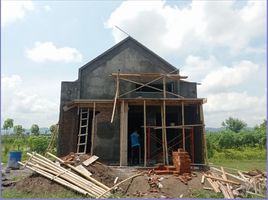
12, 11
220, 106
47, 51
25, 107
47, 8
225, 77
236, 90
203, 24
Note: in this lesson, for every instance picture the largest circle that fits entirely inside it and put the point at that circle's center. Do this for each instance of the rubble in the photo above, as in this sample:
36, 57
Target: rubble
252, 182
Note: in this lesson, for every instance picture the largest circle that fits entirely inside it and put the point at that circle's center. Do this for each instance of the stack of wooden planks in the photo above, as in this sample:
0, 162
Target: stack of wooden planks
181, 161
233, 186
72, 177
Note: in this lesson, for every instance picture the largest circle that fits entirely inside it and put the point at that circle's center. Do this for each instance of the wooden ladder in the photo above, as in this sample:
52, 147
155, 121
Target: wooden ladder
83, 131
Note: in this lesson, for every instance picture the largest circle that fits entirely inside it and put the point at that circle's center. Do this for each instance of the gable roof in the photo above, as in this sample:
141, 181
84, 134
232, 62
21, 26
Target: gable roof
120, 44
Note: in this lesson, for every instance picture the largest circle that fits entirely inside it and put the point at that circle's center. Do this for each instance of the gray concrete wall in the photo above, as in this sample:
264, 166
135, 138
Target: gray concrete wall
96, 82
68, 121
188, 89
107, 138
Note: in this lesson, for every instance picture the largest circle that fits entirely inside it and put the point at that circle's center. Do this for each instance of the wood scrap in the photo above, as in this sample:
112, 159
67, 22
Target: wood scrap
90, 160
84, 170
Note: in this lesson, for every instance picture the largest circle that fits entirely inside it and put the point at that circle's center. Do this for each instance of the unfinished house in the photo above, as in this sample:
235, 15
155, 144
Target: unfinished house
129, 88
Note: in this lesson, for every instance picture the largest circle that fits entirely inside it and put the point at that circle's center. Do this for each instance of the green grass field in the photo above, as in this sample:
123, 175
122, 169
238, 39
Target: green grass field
244, 165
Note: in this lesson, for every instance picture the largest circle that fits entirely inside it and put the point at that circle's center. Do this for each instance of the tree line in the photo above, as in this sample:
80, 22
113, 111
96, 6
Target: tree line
235, 135
19, 130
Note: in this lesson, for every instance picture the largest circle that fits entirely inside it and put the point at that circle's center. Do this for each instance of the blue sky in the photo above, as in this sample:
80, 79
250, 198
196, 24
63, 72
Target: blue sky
221, 44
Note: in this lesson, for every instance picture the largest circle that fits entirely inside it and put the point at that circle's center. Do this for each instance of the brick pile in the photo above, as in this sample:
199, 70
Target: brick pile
181, 161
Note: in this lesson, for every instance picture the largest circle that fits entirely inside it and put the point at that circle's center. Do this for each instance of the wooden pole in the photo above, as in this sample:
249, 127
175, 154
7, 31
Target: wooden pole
183, 129
192, 144
58, 180
116, 95
163, 134
75, 169
203, 133
93, 129
145, 138
120, 183
66, 174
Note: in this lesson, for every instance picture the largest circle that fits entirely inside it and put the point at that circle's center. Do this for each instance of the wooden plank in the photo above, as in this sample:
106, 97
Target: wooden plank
145, 134
90, 160
93, 129
215, 188
229, 191
231, 175
220, 179
203, 179
84, 170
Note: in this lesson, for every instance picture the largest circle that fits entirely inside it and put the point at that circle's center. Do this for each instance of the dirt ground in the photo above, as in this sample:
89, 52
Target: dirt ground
171, 187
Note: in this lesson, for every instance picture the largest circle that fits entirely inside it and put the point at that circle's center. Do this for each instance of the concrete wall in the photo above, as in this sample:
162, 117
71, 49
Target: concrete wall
68, 122
188, 89
96, 82
107, 137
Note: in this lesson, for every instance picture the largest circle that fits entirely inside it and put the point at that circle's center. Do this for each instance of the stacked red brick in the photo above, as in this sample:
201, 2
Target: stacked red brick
181, 161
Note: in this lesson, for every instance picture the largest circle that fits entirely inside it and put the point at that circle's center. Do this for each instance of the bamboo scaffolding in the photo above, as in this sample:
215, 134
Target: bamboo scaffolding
145, 134
183, 129
93, 129
88, 177
116, 96
144, 85
157, 89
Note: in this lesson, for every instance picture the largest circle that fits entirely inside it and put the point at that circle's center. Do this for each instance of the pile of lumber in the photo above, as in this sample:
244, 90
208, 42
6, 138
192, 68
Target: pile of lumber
233, 186
255, 182
181, 160
76, 178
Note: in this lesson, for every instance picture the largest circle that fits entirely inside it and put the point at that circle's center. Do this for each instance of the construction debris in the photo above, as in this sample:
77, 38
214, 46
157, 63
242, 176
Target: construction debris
65, 176
90, 160
253, 183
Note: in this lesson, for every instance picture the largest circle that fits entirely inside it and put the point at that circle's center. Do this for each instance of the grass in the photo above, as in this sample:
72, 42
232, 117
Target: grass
12, 193
206, 194
244, 165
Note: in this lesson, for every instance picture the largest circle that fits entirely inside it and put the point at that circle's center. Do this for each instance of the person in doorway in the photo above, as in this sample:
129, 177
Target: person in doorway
135, 147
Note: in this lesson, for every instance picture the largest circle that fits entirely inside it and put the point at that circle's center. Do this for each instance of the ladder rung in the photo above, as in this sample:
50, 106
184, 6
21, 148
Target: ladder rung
84, 119
83, 126
84, 112
82, 144
83, 134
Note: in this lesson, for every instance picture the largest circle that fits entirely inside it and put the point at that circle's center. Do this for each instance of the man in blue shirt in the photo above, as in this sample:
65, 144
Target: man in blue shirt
135, 147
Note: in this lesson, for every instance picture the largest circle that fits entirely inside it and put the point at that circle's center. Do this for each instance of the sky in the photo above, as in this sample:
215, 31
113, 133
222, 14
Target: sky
220, 44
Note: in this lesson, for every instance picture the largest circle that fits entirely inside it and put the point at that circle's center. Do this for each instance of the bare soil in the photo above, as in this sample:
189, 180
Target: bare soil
140, 186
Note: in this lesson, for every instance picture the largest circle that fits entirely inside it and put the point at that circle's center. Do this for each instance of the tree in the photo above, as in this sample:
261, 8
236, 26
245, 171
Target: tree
52, 128
18, 130
35, 129
234, 124
8, 123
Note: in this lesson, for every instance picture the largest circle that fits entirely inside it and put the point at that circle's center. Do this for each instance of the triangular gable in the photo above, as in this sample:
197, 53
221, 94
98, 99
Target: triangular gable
119, 47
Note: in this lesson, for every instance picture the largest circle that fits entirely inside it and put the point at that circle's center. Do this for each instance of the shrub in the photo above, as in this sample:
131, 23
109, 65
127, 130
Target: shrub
39, 144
